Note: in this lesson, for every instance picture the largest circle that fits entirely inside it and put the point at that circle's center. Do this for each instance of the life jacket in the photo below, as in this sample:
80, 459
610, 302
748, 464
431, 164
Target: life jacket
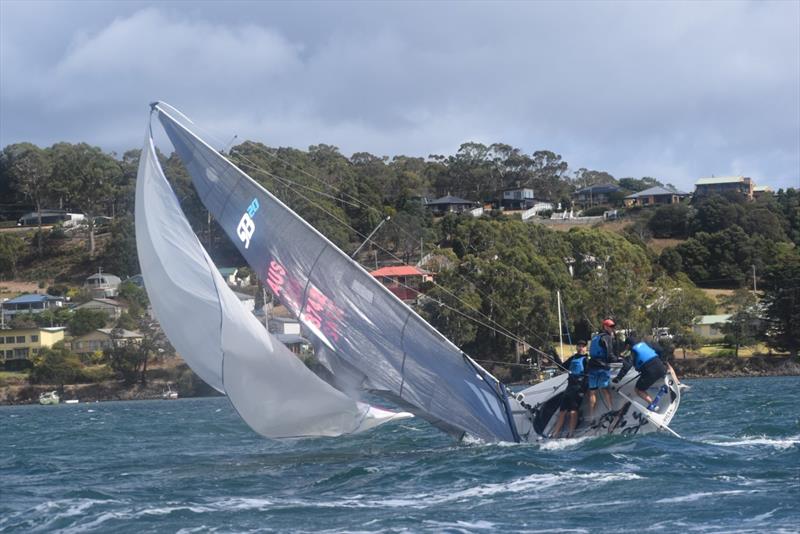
577, 367
643, 353
596, 349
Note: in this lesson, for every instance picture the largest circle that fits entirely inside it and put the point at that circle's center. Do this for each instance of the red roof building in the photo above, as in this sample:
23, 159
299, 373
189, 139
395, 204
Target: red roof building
403, 280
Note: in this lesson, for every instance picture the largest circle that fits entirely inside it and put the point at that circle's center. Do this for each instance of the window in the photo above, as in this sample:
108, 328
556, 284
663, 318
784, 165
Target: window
2, 340
9, 339
34, 338
20, 339
35, 351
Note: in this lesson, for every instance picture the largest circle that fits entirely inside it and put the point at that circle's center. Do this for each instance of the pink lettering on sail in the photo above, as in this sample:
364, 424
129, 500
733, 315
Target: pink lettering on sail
320, 312
323, 313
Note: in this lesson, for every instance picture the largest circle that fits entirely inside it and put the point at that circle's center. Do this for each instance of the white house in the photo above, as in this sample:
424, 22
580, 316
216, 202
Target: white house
110, 307
103, 285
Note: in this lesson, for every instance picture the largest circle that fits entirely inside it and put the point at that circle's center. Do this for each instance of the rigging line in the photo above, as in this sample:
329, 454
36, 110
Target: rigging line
501, 328
368, 207
286, 181
256, 167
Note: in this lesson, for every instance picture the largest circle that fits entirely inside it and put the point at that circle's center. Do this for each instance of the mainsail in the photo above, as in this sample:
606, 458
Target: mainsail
225, 344
368, 338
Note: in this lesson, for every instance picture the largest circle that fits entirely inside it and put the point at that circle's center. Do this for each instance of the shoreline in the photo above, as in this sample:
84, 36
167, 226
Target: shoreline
720, 367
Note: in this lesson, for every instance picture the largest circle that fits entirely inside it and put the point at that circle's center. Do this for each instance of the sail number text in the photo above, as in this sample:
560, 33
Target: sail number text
247, 226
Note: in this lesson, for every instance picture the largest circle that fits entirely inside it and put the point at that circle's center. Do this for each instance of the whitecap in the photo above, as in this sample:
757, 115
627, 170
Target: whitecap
752, 441
762, 517
473, 525
702, 495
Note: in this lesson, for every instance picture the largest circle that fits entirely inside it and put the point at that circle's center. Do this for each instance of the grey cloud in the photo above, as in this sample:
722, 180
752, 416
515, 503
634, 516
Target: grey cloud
673, 90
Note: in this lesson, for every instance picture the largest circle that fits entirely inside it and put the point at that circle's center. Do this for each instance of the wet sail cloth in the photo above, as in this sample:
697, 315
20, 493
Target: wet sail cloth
367, 337
223, 343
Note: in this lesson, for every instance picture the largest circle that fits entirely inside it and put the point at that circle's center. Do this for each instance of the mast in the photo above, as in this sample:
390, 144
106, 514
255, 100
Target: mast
560, 329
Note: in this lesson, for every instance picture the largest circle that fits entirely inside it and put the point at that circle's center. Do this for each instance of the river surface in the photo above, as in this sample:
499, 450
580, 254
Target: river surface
193, 466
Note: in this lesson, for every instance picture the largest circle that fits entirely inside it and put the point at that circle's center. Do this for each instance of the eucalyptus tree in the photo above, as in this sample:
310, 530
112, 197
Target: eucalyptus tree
29, 168
90, 176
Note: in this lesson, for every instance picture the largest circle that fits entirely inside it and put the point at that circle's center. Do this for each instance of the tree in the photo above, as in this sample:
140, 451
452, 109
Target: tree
120, 255
671, 261
743, 328
125, 360
12, 248
452, 320
85, 320
671, 221
87, 176
55, 366
634, 186
29, 168
674, 303
781, 284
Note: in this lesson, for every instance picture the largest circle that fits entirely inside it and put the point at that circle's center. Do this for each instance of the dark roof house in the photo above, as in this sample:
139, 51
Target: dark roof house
449, 203
655, 196
595, 194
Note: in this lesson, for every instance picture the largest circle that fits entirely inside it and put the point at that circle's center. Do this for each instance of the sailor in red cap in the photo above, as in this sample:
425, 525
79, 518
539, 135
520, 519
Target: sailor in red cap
601, 354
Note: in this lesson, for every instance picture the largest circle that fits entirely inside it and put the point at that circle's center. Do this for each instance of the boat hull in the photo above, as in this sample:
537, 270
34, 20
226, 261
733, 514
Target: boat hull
536, 409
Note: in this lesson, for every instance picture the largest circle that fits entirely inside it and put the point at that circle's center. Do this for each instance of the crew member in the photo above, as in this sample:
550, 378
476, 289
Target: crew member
573, 395
645, 360
601, 354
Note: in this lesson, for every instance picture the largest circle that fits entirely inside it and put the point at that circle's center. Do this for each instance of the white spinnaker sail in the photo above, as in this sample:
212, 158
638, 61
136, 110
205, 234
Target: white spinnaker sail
271, 389
359, 328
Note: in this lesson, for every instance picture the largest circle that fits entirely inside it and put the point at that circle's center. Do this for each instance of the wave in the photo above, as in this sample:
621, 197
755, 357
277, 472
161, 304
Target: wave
753, 441
703, 494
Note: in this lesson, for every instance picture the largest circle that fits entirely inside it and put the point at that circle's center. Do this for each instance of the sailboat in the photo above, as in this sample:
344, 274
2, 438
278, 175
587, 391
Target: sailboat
372, 344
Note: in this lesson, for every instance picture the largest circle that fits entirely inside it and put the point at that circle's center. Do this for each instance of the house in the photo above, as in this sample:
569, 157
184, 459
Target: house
284, 325
102, 285
110, 307
22, 343
249, 301
709, 327
655, 196
104, 338
724, 184
450, 204
233, 277
294, 342
31, 303
520, 198
761, 190
595, 194
403, 280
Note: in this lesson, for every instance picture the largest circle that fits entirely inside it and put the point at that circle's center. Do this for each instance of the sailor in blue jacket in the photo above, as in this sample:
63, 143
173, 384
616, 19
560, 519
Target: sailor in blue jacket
645, 360
601, 354
573, 396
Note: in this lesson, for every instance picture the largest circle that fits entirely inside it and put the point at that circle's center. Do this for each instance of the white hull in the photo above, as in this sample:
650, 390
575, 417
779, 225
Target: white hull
536, 409
49, 398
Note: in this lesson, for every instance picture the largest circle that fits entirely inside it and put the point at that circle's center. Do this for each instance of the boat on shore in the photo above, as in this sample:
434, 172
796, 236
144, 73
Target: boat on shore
48, 398
168, 394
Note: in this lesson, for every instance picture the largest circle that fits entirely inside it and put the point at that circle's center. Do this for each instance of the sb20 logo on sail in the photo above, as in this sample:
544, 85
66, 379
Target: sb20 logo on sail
247, 226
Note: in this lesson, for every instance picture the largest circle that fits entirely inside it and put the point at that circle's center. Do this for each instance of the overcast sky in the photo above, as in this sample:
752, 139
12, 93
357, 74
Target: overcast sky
674, 90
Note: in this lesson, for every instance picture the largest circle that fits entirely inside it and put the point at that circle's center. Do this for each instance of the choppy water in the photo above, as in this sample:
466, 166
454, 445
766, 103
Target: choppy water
193, 466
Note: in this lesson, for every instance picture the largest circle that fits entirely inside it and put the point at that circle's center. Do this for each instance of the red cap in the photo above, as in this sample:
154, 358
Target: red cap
609, 322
